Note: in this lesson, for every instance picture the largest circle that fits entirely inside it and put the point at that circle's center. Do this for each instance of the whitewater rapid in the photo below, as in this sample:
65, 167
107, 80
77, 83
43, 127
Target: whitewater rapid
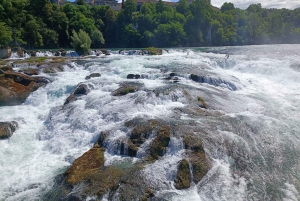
253, 145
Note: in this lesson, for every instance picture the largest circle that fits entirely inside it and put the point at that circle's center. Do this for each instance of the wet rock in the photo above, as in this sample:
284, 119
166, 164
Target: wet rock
16, 87
29, 71
130, 76
183, 177
52, 67
93, 75
141, 132
5, 69
216, 81
85, 166
81, 89
127, 87
173, 74
194, 149
159, 145
7, 129
33, 54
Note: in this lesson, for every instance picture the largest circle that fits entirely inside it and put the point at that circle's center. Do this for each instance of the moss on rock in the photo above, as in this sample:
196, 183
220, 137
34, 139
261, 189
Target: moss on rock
183, 178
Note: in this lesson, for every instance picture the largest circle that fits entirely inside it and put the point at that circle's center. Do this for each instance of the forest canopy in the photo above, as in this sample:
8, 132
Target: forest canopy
42, 24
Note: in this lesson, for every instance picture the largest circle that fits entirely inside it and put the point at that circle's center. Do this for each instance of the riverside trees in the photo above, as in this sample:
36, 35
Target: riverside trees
39, 23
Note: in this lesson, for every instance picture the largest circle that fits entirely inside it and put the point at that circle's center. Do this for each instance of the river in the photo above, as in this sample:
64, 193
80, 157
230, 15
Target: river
252, 139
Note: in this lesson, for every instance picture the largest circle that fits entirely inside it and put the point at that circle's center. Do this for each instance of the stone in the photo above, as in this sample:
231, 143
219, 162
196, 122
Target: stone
80, 90
183, 177
7, 129
127, 87
5, 53
29, 71
93, 75
16, 87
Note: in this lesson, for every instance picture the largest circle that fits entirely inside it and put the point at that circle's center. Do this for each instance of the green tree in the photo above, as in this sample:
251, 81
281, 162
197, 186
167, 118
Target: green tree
5, 34
81, 42
97, 38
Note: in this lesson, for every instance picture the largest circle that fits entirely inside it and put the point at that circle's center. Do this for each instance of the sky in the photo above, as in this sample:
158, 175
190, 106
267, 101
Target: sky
243, 4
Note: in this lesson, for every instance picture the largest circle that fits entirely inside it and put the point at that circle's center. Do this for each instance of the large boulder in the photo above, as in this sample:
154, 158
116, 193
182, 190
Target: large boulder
16, 87
80, 90
7, 129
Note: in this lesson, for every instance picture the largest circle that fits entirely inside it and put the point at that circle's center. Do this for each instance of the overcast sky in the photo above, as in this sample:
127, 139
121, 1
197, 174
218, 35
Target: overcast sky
243, 4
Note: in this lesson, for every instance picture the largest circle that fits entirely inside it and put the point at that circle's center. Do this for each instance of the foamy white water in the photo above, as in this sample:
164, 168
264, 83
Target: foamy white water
253, 145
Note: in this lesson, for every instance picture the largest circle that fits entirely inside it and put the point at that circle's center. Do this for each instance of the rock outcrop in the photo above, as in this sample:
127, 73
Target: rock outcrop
16, 87
7, 129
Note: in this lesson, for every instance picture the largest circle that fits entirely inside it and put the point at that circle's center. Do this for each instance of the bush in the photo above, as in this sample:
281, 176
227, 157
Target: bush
81, 42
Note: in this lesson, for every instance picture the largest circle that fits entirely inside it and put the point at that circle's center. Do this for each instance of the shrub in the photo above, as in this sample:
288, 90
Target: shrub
81, 42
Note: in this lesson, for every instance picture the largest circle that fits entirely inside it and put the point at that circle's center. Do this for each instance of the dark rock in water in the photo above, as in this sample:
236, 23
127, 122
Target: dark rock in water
127, 87
80, 90
183, 178
173, 74
93, 75
213, 81
130, 76
7, 129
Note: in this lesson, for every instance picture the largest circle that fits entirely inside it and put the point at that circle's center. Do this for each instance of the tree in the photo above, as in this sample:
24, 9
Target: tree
97, 38
81, 42
227, 6
5, 34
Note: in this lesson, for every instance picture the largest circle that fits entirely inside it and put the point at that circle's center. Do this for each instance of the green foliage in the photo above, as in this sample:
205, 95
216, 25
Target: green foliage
97, 38
81, 42
39, 23
5, 34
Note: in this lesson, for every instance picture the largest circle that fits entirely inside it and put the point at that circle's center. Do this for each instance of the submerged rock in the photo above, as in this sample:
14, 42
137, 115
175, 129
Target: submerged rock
7, 129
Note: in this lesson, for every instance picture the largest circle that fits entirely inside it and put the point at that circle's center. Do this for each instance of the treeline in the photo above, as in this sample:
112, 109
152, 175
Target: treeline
42, 24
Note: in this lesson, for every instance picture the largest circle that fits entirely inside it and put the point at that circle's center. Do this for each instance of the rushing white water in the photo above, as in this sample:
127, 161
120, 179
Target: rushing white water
253, 146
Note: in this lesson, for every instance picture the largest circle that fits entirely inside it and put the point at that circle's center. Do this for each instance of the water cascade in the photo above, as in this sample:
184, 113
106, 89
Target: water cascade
198, 125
